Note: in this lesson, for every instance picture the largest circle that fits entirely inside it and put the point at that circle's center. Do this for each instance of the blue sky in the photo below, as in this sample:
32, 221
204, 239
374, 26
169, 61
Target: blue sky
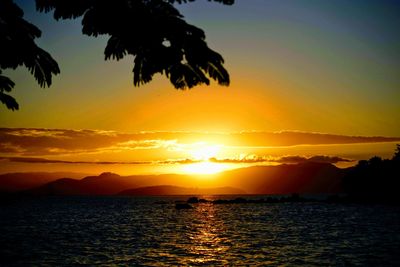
325, 66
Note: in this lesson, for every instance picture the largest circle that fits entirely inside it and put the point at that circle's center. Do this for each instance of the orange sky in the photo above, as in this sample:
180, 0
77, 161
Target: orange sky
293, 67
95, 151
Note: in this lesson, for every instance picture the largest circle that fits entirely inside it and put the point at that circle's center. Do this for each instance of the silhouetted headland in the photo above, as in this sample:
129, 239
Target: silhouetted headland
370, 181
374, 181
304, 178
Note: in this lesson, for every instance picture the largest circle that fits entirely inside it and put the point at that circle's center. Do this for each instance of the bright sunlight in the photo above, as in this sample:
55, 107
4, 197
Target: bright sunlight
205, 168
203, 151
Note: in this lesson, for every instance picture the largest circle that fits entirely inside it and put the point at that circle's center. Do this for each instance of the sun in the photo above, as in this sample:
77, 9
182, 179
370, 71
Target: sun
205, 167
203, 151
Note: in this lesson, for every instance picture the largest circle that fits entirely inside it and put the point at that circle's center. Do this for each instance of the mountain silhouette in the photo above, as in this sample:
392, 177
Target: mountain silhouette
308, 177
12, 182
301, 178
104, 184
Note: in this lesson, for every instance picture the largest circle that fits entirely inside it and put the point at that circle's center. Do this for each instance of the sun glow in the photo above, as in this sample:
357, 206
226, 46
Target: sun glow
205, 168
202, 151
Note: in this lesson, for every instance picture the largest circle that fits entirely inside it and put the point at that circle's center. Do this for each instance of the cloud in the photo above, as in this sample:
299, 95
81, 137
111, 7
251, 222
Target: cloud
40, 142
36, 160
9, 148
285, 159
145, 144
44, 160
318, 158
44, 142
179, 161
293, 138
251, 159
246, 159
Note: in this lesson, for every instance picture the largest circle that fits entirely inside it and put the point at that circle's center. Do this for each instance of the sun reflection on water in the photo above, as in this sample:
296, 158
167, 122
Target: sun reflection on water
207, 243
121, 231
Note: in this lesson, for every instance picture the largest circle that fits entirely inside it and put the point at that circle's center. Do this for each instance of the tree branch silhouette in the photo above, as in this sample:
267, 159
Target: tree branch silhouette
6, 85
152, 31
18, 48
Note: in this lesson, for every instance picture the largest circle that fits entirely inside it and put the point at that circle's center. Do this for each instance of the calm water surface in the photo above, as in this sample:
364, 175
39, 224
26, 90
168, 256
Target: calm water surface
66, 231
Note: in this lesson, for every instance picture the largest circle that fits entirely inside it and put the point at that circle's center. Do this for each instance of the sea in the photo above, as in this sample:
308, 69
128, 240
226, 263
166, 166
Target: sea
150, 231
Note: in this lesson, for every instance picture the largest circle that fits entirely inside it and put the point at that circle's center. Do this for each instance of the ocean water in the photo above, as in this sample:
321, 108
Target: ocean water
149, 231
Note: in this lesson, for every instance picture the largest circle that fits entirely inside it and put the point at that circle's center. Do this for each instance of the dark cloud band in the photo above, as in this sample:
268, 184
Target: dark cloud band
42, 142
246, 160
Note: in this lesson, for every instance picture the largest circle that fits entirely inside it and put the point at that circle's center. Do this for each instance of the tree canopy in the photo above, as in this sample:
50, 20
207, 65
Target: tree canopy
375, 179
18, 48
152, 31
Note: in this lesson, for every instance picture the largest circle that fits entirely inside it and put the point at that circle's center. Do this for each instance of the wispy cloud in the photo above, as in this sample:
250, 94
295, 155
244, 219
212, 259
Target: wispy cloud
145, 144
53, 161
318, 158
245, 159
37, 142
250, 159
285, 159
50, 142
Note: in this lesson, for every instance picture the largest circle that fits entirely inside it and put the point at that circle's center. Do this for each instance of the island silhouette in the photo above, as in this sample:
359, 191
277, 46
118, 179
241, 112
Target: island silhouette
309, 177
372, 180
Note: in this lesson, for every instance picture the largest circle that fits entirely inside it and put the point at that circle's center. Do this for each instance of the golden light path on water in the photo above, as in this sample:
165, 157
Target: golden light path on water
207, 242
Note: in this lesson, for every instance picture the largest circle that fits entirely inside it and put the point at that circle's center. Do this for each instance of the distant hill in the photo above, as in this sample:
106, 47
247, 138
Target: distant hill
12, 182
176, 190
301, 178
111, 184
308, 177
104, 184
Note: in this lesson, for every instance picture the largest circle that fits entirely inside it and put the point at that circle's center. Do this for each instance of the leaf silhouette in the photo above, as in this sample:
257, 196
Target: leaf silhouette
153, 32
6, 85
18, 48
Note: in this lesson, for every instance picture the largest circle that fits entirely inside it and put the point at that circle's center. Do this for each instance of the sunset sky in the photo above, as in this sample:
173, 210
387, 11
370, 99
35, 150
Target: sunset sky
298, 69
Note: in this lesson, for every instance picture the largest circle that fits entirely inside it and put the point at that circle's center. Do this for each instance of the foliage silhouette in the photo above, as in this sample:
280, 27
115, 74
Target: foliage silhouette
17, 39
396, 156
374, 180
152, 31
7, 85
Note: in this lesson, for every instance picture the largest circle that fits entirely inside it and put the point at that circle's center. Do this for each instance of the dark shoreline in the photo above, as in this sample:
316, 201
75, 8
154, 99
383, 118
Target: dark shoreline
296, 198
238, 199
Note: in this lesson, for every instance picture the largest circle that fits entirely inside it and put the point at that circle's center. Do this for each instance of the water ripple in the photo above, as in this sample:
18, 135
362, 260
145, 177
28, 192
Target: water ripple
105, 231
